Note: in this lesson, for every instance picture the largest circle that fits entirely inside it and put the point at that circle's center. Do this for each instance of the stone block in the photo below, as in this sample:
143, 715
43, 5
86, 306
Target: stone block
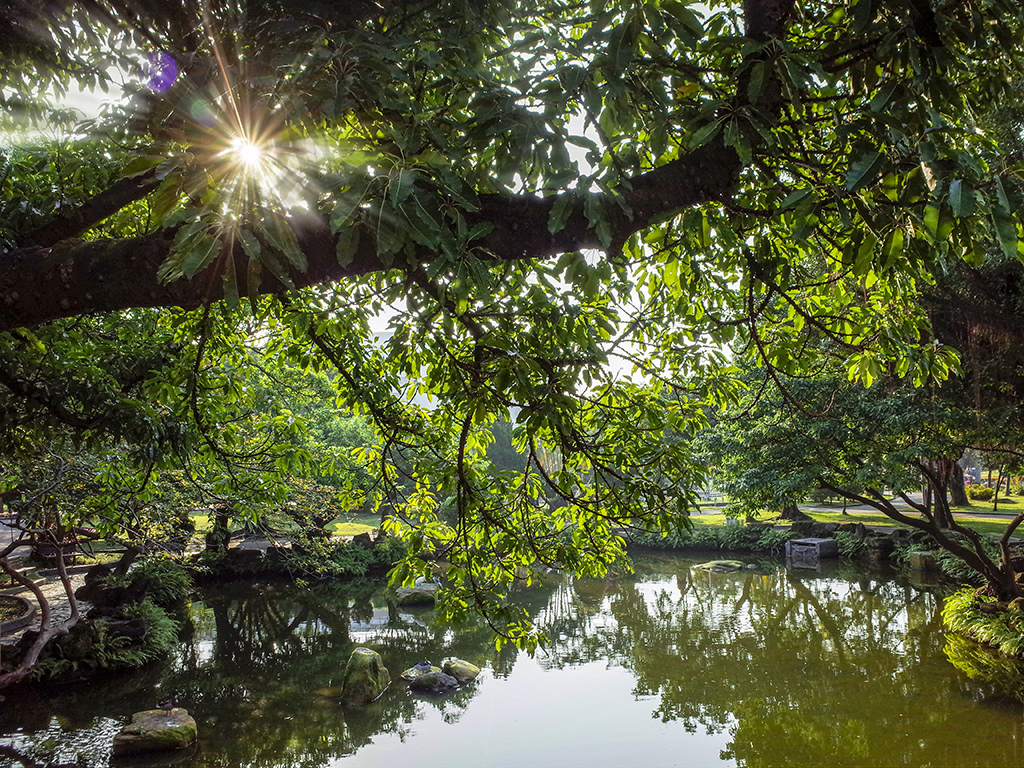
812, 548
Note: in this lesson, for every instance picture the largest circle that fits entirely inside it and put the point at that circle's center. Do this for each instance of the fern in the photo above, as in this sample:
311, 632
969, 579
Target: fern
1001, 629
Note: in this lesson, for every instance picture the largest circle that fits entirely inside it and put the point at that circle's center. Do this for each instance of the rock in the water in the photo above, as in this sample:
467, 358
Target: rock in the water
720, 566
433, 682
421, 594
365, 677
461, 670
418, 670
328, 693
156, 730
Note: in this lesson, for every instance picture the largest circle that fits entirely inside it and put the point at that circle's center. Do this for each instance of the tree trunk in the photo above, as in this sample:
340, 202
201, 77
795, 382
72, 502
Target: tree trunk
957, 488
792, 512
940, 486
218, 537
999, 485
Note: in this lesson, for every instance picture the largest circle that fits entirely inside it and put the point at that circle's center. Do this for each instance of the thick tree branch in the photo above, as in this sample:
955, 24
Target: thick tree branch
93, 211
56, 277
41, 284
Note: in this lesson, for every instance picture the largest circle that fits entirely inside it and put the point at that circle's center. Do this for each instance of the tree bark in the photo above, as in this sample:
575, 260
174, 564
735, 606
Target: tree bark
957, 487
792, 512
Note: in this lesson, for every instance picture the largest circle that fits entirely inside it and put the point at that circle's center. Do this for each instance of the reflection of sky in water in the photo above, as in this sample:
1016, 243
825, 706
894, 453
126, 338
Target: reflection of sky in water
578, 716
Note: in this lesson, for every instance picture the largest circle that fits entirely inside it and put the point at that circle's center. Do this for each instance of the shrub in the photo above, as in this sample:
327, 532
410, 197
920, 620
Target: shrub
728, 537
774, 539
1001, 629
980, 492
167, 583
98, 644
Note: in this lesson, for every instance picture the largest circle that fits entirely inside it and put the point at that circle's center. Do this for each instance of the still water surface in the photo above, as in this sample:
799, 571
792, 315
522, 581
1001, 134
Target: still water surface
672, 667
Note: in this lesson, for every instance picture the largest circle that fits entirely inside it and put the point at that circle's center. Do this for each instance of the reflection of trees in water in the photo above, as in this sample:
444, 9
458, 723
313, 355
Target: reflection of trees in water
259, 653
802, 670
250, 662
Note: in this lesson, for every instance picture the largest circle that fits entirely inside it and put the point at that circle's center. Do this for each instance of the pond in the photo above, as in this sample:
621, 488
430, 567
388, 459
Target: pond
670, 667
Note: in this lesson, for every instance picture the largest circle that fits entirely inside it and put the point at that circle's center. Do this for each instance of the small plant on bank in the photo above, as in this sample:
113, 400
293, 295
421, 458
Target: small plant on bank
774, 540
850, 544
149, 633
981, 618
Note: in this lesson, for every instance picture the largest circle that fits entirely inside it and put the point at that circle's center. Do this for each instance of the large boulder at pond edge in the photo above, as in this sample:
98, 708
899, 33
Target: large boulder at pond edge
420, 594
365, 677
433, 682
461, 670
156, 730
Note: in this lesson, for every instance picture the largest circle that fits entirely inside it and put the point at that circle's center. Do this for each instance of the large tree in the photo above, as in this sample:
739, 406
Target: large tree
527, 191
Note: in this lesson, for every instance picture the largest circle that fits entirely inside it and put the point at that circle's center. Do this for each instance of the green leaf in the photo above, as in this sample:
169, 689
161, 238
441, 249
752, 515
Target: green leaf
347, 203
389, 238
961, 198
282, 239
864, 170
597, 218
347, 244
892, 249
560, 212
201, 252
230, 281
250, 244
756, 82
705, 134
1006, 230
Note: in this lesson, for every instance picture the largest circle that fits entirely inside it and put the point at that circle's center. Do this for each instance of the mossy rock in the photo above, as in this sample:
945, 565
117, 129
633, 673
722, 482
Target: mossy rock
461, 670
421, 594
721, 566
156, 730
365, 677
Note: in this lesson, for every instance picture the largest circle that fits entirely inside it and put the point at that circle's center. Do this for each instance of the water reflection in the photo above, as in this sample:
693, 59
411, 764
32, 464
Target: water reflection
842, 666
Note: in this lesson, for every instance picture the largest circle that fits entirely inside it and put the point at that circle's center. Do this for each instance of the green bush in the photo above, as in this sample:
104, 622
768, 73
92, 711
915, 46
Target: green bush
1001, 629
97, 644
726, 537
166, 582
774, 539
980, 492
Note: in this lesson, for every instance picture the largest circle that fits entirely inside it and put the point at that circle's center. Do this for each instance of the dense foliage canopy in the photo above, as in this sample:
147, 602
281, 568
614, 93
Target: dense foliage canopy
563, 211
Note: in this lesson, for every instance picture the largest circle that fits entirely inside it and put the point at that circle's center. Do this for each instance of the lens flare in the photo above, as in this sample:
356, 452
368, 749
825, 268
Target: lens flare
248, 153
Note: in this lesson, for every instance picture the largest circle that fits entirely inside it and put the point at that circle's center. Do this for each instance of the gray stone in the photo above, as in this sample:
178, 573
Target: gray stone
433, 682
461, 670
421, 594
923, 561
156, 730
363, 540
812, 548
365, 677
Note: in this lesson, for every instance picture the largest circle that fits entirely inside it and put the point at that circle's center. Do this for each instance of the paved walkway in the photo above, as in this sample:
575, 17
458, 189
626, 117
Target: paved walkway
60, 606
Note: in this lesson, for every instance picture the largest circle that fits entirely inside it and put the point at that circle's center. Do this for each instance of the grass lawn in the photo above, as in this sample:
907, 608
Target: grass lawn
344, 525
350, 525
963, 515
